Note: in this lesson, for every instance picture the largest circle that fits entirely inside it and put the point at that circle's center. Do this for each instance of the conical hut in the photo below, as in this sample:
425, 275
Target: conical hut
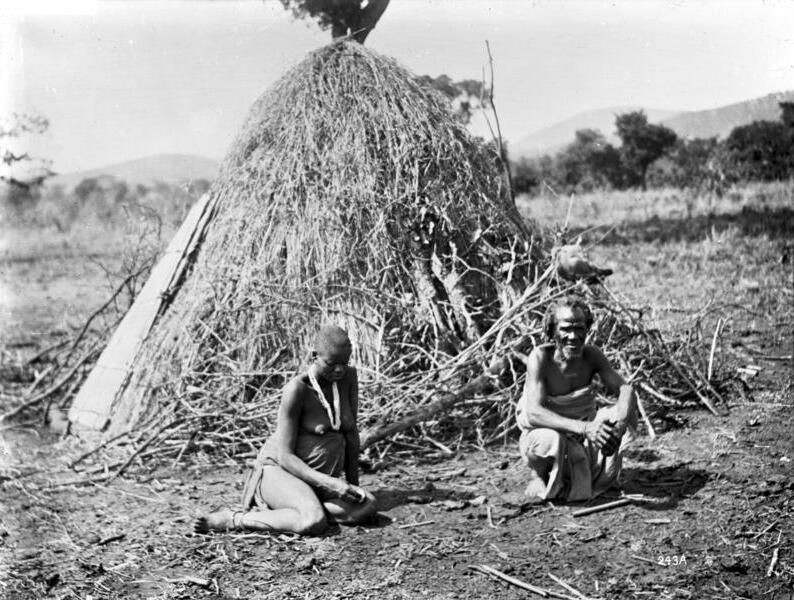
352, 194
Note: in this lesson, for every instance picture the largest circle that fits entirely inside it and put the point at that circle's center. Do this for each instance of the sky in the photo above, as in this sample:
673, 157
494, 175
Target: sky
123, 79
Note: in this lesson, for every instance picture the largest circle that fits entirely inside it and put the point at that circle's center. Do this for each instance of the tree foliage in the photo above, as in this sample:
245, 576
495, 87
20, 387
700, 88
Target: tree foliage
356, 18
20, 169
589, 162
642, 143
652, 154
761, 150
466, 95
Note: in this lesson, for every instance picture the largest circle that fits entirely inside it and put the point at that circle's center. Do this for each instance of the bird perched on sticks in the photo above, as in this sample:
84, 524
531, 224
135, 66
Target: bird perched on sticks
573, 264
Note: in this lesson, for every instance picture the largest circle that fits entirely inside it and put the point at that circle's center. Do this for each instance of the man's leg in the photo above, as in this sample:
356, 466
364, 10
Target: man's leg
543, 450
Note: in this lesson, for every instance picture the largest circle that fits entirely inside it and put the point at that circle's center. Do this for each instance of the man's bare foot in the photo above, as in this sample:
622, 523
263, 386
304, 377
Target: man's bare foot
221, 520
535, 490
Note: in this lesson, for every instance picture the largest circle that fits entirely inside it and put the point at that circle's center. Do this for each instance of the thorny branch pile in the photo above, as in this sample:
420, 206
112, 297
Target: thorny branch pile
353, 195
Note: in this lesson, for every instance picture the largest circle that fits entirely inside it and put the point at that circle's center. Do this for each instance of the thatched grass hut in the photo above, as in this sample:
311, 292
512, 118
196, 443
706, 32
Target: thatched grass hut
352, 194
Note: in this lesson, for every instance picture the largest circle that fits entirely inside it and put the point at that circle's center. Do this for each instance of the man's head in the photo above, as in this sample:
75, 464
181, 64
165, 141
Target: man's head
332, 350
566, 323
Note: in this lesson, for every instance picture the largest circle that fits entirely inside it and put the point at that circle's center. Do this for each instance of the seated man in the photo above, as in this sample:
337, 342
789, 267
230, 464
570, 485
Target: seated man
571, 448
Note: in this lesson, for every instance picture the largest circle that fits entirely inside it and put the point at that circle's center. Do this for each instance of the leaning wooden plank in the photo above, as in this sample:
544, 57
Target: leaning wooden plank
92, 405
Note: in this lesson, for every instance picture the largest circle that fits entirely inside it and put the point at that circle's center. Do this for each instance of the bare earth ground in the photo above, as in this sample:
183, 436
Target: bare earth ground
712, 515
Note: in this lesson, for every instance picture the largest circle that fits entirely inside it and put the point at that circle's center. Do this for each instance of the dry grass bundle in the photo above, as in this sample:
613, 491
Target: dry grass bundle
353, 195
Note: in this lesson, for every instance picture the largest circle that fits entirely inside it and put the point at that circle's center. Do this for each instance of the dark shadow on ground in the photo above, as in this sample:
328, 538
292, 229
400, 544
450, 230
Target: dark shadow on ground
777, 223
664, 486
389, 498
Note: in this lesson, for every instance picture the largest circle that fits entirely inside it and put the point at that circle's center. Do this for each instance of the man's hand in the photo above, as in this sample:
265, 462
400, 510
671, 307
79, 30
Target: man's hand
601, 434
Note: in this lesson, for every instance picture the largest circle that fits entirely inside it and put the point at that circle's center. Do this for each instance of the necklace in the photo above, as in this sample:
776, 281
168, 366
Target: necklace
333, 414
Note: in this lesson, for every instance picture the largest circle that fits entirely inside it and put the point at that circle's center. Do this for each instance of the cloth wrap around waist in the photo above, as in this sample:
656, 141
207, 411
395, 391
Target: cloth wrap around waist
322, 452
578, 404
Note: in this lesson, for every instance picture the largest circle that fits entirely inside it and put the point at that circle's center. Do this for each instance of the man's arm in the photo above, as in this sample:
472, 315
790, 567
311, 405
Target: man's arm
536, 414
615, 384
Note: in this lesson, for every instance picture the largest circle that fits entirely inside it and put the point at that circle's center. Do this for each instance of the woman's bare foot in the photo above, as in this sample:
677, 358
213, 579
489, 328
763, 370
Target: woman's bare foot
221, 520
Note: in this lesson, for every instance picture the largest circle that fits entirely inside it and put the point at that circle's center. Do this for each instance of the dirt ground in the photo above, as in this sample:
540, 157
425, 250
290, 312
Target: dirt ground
710, 514
712, 518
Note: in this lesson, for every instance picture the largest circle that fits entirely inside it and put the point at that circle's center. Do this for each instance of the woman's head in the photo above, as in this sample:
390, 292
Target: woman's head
331, 352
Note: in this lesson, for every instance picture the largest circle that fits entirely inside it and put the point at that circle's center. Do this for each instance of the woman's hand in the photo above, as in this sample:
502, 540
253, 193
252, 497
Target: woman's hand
347, 491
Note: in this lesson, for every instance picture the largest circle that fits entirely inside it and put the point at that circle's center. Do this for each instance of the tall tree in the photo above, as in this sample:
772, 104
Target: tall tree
761, 150
641, 144
589, 162
356, 18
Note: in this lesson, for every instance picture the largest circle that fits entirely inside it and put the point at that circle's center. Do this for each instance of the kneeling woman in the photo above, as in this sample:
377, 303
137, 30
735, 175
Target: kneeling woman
306, 474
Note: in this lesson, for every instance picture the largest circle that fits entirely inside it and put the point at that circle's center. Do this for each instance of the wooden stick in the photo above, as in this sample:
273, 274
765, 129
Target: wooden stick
490, 517
773, 562
512, 580
571, 589
644, 415
765, 529
775, 553
710, 370
659, 395
642, 558
601, 507
419, 524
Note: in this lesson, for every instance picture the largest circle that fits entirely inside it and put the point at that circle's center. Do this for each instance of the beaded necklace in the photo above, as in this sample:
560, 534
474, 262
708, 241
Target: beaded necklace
333, 415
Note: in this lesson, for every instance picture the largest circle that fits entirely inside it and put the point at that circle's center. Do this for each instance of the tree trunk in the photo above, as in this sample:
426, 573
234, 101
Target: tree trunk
367, 19
447, 400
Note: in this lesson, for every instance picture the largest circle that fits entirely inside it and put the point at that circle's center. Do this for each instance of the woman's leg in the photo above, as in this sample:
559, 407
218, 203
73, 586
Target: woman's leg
292, 506
349, 513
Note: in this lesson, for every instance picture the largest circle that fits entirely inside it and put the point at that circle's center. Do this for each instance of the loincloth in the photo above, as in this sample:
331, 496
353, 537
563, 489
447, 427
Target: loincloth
324, 453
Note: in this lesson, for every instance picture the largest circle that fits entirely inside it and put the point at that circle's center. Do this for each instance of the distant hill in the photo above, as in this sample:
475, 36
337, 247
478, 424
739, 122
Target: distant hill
168, 168
687, 124
554, 138
720, 121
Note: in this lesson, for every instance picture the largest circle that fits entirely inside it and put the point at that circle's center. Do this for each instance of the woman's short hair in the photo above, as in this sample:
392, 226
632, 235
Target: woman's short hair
572, 302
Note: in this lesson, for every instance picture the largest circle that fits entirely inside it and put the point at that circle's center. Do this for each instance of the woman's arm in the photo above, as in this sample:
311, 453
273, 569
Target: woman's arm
289, 414
353, 445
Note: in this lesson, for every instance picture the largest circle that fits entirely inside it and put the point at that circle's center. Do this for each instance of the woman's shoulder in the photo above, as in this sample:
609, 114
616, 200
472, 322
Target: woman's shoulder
297, 385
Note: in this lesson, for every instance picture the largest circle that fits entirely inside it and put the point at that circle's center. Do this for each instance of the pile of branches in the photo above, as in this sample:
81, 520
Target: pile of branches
44, 383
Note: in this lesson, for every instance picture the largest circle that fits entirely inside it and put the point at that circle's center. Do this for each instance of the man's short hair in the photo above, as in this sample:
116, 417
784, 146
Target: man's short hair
572, 302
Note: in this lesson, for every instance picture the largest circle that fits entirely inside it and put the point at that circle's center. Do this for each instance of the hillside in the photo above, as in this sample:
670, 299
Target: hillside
720, 121
168, 168
551, 139
687, 124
